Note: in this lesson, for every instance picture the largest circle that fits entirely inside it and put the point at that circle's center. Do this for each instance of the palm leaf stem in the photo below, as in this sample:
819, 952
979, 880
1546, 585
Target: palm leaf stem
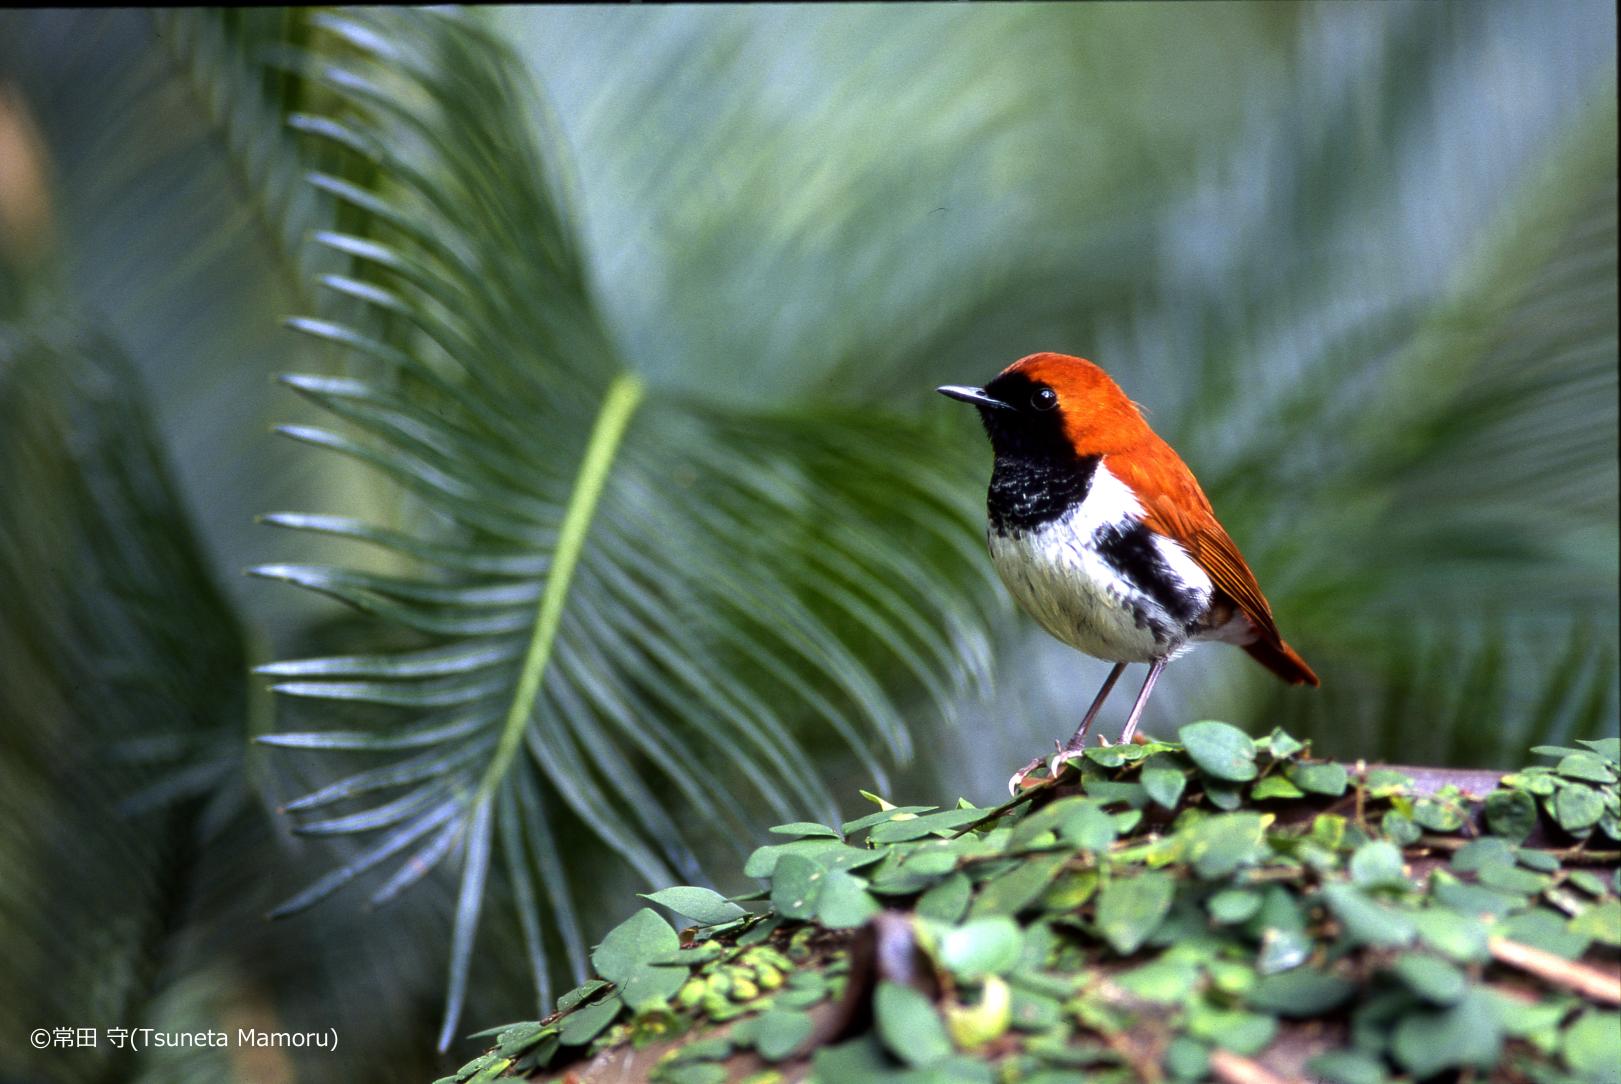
620, 402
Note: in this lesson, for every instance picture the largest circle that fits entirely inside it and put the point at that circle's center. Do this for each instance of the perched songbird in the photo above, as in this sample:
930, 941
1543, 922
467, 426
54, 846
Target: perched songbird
1104, 536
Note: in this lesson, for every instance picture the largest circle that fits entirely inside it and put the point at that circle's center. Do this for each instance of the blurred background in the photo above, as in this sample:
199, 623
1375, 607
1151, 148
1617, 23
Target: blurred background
1357, 261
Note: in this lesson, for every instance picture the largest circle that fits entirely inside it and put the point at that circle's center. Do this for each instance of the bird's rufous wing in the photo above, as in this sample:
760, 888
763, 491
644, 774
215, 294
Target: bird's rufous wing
1175, 506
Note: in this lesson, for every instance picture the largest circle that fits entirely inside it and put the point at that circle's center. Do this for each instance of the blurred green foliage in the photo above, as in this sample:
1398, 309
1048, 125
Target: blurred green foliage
1359, 262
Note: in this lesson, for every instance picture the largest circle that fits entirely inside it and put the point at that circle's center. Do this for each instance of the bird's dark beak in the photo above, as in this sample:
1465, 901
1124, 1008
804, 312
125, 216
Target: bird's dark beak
976, 396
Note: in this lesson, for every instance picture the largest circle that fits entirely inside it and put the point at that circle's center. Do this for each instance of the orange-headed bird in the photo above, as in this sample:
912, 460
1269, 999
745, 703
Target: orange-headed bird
1103, 535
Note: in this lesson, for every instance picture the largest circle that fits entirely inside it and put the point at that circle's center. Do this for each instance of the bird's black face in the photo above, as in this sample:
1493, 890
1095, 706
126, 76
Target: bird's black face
1038, 475
1022, 416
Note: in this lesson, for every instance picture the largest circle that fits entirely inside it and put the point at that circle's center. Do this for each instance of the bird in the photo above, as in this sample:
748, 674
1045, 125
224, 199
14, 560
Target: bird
1102, 534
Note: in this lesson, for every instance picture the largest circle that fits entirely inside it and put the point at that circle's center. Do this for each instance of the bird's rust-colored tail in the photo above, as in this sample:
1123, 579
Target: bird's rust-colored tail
1283, 661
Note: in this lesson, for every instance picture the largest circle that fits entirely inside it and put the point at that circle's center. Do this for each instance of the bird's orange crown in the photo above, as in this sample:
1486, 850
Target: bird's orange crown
1098, 417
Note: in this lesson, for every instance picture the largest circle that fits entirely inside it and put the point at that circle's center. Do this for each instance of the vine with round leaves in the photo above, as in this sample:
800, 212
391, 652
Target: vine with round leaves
1219, 907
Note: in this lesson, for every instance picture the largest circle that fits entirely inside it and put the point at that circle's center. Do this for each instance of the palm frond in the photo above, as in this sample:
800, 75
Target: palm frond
183, 225
632, 605
119, 749
221, 58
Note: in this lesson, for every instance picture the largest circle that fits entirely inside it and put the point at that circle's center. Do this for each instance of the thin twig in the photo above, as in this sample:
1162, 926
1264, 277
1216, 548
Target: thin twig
1453, 843
1361, 793
1230, 1068
1146, 1069
1013, 803
1276, 873
1590, 982
1589, 858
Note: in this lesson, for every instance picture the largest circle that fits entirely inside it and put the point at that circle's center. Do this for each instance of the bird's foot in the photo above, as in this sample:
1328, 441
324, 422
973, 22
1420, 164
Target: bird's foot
1065, 754
1015, 781
1054, 765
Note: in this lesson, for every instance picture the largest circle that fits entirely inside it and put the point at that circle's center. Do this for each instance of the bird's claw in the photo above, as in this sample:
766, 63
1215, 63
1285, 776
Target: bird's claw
1016, 780
1054, 765
1064, 755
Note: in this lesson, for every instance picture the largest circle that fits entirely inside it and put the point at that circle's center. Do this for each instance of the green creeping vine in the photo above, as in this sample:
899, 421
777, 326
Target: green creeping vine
1219, 908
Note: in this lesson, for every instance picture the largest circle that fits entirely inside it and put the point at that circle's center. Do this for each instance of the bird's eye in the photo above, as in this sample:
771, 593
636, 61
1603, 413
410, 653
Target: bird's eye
1044, 399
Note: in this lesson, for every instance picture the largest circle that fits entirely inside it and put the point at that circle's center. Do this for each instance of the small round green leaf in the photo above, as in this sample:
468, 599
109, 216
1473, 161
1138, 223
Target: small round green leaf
1577, 807
1300, 992
1457, 936
1367, 921
908, 1025
1607, 748
1241, 1032
632, 944
804, 830
1130, 909
779, 1033
1439, 814
1601, 922
583, 1025
1163, 783
1378, 865
1430, 978
1275, 786
980, 947
580, 994
1592, 1046
844, 902
1013, 891
1165, 980
1588, 767
1088, 827
1282, 745
946, 901
1187, 1059
1466, 1034
1345, 1067
1400, 829
1478, 854
704, 906
1220, 750
1233, 905
1217, 846
796, 883
1319, 778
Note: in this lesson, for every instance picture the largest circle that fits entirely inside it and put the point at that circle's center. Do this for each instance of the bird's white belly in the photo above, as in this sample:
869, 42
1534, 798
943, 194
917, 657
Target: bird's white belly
1060, 574
1073, 593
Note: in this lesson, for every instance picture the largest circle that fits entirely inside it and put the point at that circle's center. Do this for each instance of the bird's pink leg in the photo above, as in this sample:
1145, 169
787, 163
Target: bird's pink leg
1079, 739
1142, 700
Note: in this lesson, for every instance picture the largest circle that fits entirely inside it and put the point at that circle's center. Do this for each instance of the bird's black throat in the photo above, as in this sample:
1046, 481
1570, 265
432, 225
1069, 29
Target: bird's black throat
1027, 492
1038, 476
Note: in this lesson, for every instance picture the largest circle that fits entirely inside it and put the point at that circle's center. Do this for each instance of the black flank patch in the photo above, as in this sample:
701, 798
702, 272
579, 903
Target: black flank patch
1131, 552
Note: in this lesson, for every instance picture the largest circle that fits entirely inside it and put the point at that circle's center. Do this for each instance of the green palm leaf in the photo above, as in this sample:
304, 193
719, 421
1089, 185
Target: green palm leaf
624, 596
119, 759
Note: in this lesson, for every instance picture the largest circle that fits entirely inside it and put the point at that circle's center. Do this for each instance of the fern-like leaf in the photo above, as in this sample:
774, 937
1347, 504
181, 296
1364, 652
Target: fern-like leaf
634, 605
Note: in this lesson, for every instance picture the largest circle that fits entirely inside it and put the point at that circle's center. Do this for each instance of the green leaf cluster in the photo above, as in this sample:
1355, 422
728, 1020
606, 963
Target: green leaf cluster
1097, 931
1581, 792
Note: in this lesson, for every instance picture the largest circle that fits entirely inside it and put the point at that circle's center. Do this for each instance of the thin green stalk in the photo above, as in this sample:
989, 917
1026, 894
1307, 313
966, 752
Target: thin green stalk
624, 394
